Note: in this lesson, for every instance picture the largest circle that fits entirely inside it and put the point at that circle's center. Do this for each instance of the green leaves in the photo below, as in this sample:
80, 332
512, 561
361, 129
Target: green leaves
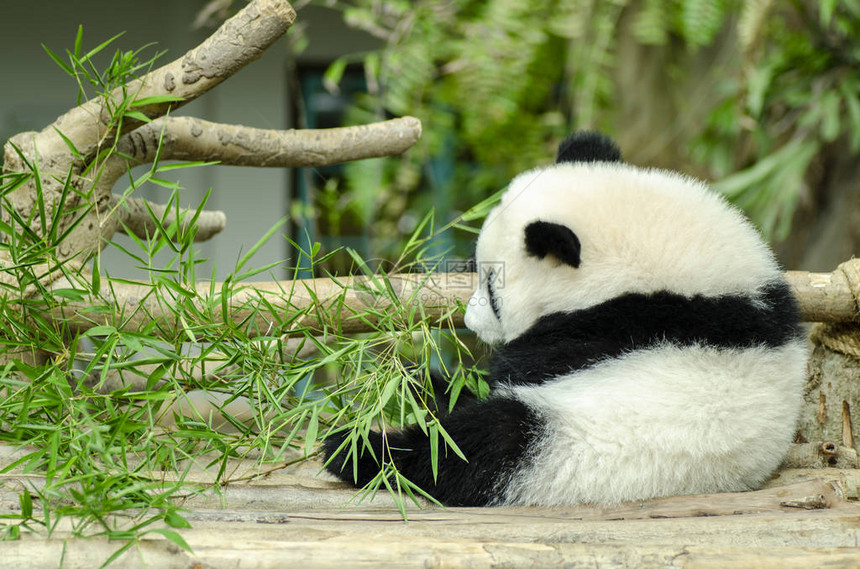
800, 93
498, 83
696, 22
173, 537
701, 20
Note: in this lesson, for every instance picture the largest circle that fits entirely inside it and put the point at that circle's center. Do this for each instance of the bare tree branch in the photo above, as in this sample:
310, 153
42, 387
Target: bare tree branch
68, 148
239, 41
350, 304
188, 138
824, 297
132, 215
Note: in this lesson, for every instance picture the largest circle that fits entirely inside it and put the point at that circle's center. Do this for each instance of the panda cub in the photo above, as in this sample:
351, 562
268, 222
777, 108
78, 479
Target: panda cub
647, 345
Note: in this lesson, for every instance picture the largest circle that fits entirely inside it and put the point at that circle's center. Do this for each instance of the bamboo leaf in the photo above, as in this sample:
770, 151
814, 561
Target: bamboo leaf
155, 100
62, 64
26, 504
174, 520
173, 537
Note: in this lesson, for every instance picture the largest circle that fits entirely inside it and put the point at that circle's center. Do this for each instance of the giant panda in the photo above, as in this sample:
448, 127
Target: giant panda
646, 345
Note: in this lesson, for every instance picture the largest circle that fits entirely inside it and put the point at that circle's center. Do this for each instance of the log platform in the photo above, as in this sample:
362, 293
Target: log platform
298, 517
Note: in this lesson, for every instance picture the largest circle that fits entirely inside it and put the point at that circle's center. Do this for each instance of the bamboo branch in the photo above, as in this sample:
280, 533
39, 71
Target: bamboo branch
187, 138
133, 215
349, 305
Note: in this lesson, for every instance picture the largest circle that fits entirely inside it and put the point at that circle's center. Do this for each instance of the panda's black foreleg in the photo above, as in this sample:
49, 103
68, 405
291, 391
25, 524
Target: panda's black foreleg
495, 436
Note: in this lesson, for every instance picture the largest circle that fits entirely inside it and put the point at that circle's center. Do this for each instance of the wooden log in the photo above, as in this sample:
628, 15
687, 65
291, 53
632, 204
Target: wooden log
847, 479
823, 297
265, 526
356, 304
292, 492
371, 550
351, 304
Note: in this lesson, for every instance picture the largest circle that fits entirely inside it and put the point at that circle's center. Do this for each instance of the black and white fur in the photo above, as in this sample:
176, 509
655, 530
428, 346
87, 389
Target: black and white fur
648, 345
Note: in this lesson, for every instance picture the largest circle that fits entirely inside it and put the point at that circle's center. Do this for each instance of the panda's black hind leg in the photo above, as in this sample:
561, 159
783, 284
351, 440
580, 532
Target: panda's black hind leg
495, 436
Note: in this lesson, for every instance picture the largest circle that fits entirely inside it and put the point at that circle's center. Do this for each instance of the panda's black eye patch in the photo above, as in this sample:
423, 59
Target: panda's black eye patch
546, 238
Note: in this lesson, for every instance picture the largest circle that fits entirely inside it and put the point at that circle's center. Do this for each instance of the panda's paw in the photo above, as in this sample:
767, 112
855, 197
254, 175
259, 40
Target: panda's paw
341, 462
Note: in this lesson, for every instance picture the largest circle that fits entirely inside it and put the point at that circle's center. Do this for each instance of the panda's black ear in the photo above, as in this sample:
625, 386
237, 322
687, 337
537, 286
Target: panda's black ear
588, 146
546, 238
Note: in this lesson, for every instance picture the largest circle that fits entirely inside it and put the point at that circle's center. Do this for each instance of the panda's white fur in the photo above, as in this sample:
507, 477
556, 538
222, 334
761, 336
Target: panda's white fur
661, 422
648, 346
643, 231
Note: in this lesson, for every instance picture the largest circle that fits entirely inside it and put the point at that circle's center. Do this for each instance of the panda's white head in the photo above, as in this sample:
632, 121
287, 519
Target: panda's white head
591, 228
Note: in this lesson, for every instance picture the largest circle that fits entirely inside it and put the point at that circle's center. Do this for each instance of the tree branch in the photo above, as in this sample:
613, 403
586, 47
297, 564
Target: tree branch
351, 304
239, 41
133, 215
348, 305
824, 297
89, 128
188, 138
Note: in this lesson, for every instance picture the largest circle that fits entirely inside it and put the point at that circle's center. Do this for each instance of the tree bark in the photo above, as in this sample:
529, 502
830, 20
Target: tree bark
188, 138
831, 407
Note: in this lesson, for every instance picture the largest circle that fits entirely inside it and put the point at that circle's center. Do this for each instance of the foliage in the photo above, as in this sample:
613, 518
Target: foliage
799, 92
497, 83
94, 402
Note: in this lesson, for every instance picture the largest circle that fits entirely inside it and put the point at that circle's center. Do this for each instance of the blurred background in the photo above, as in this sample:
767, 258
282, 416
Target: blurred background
762, 98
